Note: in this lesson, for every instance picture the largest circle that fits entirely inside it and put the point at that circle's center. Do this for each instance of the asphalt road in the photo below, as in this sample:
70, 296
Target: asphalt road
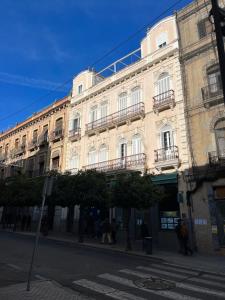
102, 274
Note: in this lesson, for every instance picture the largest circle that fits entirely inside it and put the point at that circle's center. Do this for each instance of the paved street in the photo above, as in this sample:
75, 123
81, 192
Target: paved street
99, 274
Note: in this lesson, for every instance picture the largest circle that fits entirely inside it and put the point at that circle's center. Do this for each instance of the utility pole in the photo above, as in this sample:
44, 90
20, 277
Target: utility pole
219, 19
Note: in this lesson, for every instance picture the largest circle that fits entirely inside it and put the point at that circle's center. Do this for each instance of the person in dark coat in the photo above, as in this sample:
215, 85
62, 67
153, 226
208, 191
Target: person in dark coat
106, 231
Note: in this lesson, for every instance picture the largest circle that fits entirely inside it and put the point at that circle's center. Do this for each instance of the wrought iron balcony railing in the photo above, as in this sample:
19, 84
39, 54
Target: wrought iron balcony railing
75, 134
129, 113
217, 159
56, 135
212, 94
43, 139
127, 162
165, 154
33, 144
20, 150
164, 101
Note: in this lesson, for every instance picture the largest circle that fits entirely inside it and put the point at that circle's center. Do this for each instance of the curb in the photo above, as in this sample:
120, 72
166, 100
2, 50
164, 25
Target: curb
92, 246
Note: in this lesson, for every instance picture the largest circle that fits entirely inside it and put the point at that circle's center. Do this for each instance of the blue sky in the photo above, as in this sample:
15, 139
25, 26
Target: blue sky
47, 42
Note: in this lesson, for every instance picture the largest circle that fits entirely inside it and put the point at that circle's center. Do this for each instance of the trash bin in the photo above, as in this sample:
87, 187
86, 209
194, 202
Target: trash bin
148, 244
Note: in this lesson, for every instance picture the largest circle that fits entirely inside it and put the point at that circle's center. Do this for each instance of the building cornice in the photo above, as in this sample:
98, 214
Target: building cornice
50, 110
197, 8
198, 51
126, 77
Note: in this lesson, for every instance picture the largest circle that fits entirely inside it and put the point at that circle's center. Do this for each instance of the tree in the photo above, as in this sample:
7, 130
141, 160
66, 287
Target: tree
132, 190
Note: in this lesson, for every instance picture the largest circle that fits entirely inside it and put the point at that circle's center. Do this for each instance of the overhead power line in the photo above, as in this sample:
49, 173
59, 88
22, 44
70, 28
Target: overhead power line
60, 86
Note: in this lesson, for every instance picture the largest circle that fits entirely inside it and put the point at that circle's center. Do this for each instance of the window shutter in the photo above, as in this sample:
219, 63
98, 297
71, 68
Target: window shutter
201, 29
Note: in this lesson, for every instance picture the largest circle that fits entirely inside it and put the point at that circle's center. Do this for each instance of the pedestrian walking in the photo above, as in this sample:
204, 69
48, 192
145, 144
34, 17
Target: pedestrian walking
106, 232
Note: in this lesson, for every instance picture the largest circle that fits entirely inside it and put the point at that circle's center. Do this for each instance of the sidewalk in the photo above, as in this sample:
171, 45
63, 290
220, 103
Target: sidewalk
44, 290
212, 263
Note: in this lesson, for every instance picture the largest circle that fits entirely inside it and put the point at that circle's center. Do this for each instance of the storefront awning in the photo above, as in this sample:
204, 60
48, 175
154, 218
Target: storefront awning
165, 178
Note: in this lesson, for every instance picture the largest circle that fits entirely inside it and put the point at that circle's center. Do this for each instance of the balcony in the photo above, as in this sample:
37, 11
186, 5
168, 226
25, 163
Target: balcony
130, 113
163, 101
20, 150
216, 159
56, 135
43, 140
33, 144
132, 162
74, 134
167, 158
212, 94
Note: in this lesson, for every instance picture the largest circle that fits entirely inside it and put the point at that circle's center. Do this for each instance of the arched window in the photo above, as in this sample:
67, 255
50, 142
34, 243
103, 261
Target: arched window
59, 123
136, 144
122, 149
74, 162
135, 95
92, 156
103, 153
163, 83
122, 102
220, 136
75, 122
166, 137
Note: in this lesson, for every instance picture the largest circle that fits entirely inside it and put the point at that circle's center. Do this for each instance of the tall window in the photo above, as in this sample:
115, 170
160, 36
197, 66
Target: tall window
167, 137
103, 153
92, 156
6, 149
136, 144
163, 83
80, 89
75, 122
104, 110
74, 161
24, 138
135, 95
16, 143
122, 102
122, 148
93, 114
35, 136
214, 79
59, 123
220, 137
45, 133
204, 27
161, 40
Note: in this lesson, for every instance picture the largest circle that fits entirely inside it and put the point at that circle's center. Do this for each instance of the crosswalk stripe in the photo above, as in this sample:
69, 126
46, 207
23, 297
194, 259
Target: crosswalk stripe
176, 269
106, 290
162, 272
178, 284
194, 279
214, 277
127, 282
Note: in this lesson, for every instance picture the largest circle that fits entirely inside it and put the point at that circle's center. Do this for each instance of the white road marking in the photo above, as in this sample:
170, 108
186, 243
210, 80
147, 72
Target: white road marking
106, 290
214, 277
162, 272
194, 279
14, 267
129, 283
179, 284
40, 277
176, 269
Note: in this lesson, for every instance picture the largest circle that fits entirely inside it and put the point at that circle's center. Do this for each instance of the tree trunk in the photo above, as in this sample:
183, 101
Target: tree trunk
70, 218
81, 223
127, 214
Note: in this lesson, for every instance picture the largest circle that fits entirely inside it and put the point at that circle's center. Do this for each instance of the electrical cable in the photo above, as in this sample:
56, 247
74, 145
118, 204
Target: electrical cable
93, 64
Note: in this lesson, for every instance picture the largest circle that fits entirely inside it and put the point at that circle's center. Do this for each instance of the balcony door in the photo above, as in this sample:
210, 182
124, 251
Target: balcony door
167, 143
123, 153
122, 104
163, 86
220, 138
93, 116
